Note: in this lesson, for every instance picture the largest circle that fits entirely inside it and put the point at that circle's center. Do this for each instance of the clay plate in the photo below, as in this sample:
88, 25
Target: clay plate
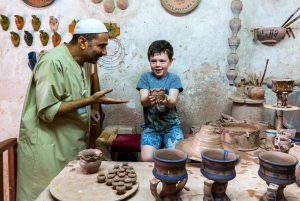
185, 145
75, 185
38, 3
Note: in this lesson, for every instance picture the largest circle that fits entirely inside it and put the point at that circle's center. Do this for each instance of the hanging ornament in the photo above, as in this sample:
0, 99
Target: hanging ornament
4, 22
19, 20
44, 37
122, 4
28, 38
15, 38
56, 39
109, 6
53, 22
35, 22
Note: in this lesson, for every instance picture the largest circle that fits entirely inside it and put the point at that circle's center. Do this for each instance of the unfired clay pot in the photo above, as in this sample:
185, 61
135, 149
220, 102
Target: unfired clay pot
90, 160
270, 35
169, 168
278, 170
109, 6
122, 4
255, 92
159, 94
121, 189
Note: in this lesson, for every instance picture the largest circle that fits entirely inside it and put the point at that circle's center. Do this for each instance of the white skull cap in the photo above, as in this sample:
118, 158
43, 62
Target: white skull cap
90, 25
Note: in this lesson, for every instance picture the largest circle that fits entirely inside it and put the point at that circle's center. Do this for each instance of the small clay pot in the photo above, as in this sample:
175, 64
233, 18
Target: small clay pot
158, 94
109, 180
132, 178
256, 93
125, 166
127, 183
116, 169
270, 35
121, 176
121, 189
101, 177
115, 182
128, 170
19, 20
90, 160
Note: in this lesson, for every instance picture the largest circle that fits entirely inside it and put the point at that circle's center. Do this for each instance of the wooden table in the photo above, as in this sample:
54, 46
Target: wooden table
246, 186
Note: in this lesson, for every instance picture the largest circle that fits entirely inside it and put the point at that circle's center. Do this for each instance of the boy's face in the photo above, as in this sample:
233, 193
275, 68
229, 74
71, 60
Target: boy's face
160, 63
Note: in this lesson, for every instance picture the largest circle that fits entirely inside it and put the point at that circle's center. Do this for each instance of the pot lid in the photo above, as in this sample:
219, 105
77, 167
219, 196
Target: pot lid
38, 3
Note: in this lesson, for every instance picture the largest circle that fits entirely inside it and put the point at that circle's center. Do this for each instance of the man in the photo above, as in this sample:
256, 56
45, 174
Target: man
56, 113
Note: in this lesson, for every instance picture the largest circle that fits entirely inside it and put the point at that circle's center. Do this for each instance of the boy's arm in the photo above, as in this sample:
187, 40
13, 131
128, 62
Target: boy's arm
146, 99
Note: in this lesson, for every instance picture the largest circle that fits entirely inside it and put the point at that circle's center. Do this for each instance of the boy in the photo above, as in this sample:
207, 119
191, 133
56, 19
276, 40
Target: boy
161, 121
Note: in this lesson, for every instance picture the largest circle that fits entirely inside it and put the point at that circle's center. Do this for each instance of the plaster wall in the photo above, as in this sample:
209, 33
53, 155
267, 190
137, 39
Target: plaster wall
200, 41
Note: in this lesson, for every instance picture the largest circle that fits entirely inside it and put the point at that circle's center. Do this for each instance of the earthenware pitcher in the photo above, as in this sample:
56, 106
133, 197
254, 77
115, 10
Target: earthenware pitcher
169, 169
278, 170
218, 166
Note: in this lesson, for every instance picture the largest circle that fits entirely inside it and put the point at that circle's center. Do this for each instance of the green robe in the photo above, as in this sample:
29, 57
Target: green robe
47, 144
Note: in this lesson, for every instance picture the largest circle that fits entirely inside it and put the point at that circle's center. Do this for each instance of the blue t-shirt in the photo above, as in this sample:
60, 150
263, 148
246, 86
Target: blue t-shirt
160, 118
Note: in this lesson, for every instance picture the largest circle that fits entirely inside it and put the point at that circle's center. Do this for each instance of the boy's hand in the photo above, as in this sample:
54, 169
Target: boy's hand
163, 102
152, 99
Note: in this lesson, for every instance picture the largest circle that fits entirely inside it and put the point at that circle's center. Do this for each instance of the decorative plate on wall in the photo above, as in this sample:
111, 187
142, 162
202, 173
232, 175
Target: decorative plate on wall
38, 3
180, 7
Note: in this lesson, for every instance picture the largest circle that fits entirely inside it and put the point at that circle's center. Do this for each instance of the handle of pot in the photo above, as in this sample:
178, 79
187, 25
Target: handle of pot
207, 190
226, 152
153, 188
181, 185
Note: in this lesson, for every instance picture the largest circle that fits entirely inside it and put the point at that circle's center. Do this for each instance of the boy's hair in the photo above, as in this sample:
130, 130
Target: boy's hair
160, 46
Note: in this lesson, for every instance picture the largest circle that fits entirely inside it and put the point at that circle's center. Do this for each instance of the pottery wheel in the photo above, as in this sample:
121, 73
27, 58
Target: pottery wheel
184, 145
77, 186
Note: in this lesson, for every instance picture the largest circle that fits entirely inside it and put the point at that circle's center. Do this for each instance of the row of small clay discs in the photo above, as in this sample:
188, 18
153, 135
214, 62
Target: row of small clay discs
120, 178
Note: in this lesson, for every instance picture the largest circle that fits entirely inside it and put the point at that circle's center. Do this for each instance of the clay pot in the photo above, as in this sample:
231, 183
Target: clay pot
270, 35
158, 94
19, 20
101, 177
15, 38
115, 182
90, 160
243, 136
44, 37
125, 166
218, 166
169, 168
112, 172
122, 4
35, 22
129, 169
28, 38
109, 179
278, 170
109, 6
255, 92
127, 184
132, 178
121, 189
282, 88
4, 22
121, 175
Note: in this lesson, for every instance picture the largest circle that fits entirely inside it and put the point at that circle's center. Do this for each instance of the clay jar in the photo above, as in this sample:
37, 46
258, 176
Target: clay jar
115, 182
256, 92
158, 94
125, 166
127, 184
90, 160
101, 177
120, 188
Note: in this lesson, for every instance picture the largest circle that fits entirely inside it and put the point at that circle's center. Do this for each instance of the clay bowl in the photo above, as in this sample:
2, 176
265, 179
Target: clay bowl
159, 94
270, 35
284, 85
90, 160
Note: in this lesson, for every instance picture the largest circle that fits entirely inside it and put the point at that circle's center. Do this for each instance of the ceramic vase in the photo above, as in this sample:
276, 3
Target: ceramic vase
53, 23
169, 169
44, 37
295, 151
127, 183
282, 144
56, 39
101, 177
256, 92
278, 170
159, 94
218, 166
90, 160
121, 189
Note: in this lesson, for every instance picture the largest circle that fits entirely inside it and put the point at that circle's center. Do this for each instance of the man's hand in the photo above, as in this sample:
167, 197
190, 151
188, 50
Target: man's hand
99, 97
95, 116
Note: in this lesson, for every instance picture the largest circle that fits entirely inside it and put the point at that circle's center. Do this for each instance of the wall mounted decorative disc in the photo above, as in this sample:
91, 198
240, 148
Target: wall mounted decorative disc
38, 3
180, 7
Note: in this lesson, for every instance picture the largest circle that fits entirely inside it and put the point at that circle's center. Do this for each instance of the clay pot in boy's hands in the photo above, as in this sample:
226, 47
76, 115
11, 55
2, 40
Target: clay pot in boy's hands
159, 94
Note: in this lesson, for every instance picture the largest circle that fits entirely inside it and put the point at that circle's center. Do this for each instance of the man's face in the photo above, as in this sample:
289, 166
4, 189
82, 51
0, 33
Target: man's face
160, 63
96, 48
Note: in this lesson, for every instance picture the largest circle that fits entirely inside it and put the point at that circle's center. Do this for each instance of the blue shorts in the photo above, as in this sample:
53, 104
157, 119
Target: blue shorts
155, 138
